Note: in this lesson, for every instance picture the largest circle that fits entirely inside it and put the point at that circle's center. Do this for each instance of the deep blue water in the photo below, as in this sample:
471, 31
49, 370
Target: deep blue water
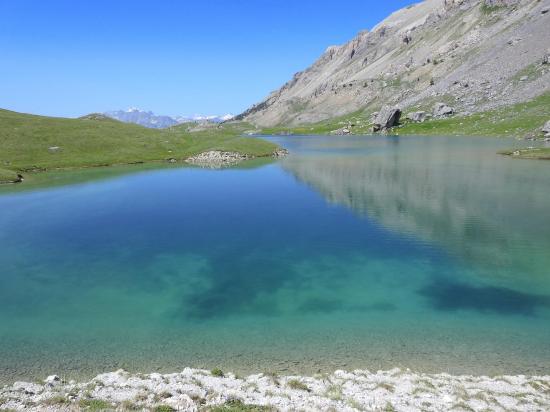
428, 253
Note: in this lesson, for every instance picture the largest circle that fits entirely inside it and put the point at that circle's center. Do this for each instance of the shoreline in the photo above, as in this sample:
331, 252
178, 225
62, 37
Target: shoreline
196, 389
208, 159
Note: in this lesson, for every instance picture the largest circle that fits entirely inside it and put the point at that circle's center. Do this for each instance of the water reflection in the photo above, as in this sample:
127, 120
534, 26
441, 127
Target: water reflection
482, 208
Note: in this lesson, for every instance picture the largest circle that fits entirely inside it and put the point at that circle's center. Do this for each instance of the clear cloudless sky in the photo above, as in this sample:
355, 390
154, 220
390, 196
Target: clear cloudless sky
69, 57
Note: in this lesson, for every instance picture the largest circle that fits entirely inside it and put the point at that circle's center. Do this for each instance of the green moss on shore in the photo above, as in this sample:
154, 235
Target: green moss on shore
8, 176
528, 153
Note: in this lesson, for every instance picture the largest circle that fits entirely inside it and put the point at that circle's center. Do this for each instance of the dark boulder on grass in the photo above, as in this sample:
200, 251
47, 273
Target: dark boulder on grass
386, 118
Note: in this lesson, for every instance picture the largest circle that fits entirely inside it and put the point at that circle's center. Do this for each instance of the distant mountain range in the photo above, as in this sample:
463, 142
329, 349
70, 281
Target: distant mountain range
151, 120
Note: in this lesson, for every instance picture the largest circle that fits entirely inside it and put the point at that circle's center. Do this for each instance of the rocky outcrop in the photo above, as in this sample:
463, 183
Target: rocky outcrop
468, 53
341, 132
216, 159
546, 129
280, 153
442, 110
387, 118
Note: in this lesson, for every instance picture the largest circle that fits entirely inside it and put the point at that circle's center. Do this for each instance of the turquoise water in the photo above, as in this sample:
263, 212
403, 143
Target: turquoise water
370, 252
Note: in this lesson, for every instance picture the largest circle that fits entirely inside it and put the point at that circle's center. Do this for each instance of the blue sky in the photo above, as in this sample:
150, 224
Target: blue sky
68, 58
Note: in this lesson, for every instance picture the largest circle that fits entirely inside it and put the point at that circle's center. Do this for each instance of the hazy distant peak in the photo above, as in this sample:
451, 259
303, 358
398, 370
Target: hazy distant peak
151, 120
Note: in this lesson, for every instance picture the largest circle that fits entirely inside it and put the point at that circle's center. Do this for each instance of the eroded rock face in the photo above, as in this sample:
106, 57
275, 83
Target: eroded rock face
442, 110
387, 118
468, 52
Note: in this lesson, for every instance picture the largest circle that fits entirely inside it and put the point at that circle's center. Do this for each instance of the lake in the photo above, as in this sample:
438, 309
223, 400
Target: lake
429, 253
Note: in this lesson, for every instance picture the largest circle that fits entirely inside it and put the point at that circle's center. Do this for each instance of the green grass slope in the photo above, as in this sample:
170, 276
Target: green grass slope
520, 120
37, 143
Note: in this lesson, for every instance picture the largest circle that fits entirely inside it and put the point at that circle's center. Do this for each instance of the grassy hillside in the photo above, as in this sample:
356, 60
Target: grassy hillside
37, 143
520, 120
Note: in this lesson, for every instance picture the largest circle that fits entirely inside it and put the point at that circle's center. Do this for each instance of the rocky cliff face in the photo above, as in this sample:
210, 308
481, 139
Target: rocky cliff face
473, 55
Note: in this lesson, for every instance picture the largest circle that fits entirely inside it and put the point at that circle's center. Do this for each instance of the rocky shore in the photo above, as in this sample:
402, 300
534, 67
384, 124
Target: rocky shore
216, 159
360, 390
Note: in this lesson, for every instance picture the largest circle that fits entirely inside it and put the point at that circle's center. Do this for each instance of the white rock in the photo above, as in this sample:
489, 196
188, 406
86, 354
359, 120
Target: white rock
52, 380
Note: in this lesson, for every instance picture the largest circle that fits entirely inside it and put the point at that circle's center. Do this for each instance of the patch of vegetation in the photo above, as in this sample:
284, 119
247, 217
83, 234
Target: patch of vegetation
298, 385
164, 408
95, 405
273, 376
531, 71
487, 9
56, 400
39, 143
8, 176
359, 121
130, 406
389, 407
236, 405
355, 405
530, 153
386, 386
217, 372
462, 406
334, 392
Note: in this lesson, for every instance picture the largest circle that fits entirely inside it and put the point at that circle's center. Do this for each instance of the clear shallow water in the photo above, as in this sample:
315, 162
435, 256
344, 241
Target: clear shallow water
428, 253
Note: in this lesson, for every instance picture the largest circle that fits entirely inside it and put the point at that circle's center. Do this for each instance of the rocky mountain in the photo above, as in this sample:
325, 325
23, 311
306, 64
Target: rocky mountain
466, 55
151, 120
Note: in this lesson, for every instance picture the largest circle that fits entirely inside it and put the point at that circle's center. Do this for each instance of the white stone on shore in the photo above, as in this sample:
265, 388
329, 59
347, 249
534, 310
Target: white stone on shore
216, 159
193, 389
52, 380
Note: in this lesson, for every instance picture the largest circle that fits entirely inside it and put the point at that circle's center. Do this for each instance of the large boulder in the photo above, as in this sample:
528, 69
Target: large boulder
546, 128
418, 117
442, 110
387, 118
